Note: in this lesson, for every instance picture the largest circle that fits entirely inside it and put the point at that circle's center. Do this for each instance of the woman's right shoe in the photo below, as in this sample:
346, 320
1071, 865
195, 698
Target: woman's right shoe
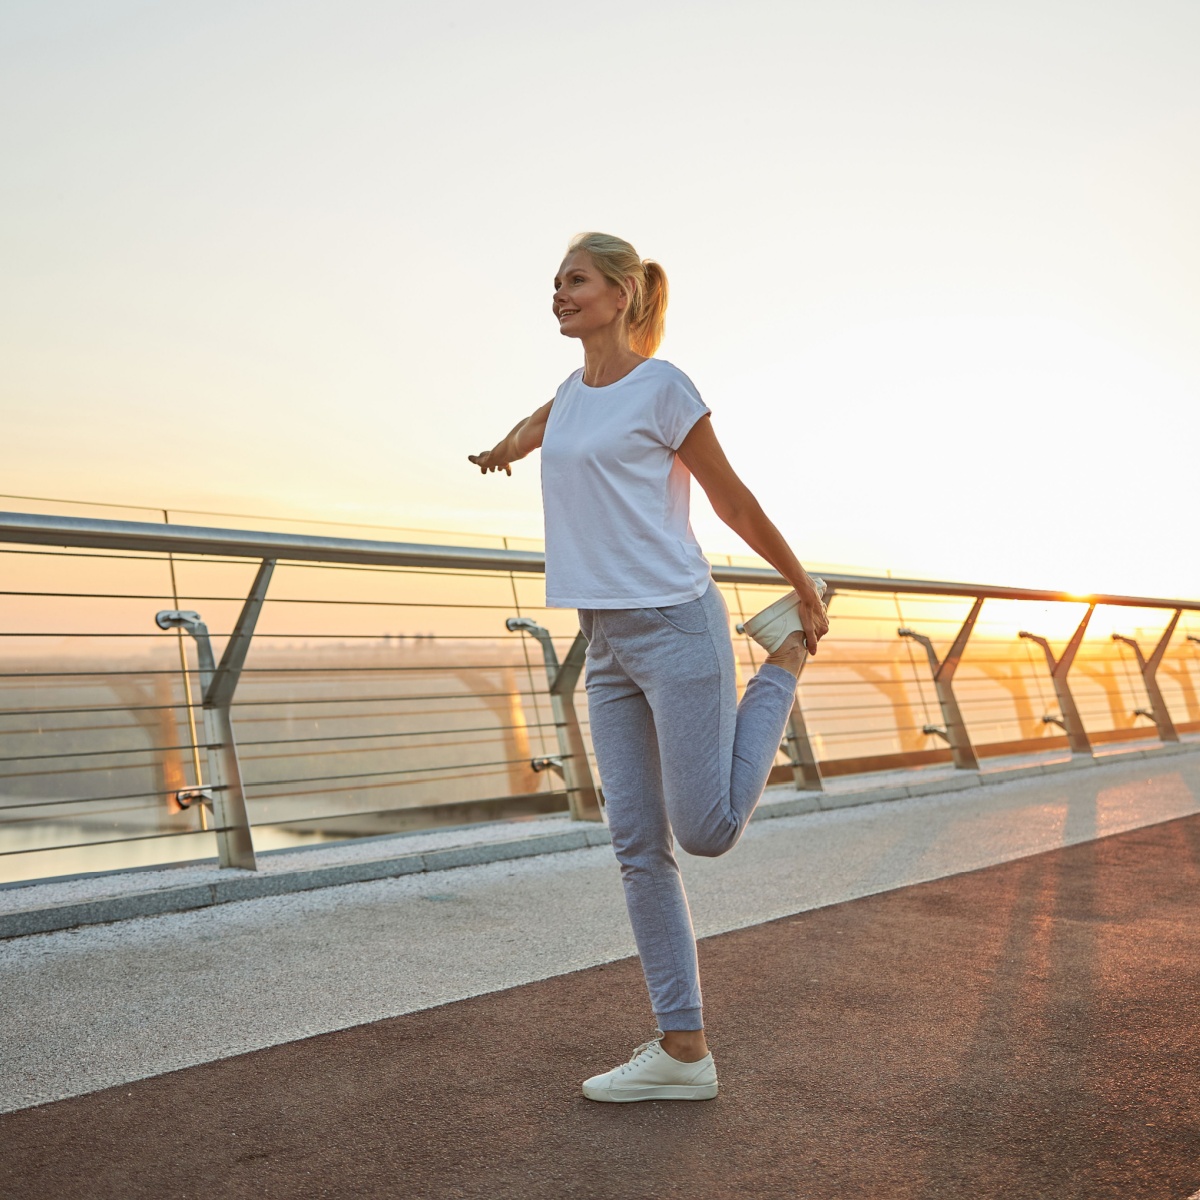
776, 623
652, 1074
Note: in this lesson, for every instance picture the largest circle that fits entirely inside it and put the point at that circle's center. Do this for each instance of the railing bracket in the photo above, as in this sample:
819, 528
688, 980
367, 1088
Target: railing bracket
955, 729
186, 797
224, 791
1070, 721
1149, 667
571, 761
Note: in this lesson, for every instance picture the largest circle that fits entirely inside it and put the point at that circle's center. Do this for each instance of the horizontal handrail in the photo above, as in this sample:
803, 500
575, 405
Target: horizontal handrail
359, 763
89, 533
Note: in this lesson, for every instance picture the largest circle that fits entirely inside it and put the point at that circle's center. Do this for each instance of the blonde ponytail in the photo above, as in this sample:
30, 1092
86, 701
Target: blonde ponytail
646, 327
644, 283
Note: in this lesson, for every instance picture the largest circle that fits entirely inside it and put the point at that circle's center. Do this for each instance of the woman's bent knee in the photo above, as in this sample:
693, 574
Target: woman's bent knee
710, 844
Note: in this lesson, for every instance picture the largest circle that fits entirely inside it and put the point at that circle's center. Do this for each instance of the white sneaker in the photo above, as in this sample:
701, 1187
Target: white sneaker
652, 1074
772, 627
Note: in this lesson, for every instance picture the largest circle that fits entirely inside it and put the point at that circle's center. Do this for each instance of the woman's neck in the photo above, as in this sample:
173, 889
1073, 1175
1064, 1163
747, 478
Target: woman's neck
607, 359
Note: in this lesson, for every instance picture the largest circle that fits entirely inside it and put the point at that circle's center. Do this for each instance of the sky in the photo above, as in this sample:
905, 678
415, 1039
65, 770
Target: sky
935, 266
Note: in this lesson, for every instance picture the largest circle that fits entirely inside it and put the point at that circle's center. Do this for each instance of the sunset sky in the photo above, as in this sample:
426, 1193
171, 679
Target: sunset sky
935, 266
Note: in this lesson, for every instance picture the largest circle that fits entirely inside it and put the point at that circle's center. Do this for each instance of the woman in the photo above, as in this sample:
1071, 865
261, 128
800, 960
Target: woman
677, 754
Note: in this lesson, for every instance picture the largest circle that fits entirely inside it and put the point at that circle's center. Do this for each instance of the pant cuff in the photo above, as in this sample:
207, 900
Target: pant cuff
770, 673
680, 1019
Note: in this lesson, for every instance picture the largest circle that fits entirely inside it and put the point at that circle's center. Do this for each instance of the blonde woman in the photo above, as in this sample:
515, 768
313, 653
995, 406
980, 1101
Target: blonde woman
679, 757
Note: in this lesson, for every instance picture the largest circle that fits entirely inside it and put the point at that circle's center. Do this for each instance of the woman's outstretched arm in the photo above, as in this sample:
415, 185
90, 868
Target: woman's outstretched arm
735, 504
524, 438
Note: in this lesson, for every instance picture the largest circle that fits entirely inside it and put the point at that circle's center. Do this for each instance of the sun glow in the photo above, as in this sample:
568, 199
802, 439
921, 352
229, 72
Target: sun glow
1055, 622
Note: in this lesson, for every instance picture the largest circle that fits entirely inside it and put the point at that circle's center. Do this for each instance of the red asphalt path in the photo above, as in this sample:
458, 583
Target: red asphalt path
1028, 1030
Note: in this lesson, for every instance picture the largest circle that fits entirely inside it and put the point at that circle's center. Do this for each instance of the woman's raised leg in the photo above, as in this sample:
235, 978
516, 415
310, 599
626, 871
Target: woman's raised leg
716, 753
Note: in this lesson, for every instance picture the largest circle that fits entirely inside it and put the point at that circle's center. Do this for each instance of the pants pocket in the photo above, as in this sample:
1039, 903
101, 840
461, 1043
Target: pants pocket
688, 617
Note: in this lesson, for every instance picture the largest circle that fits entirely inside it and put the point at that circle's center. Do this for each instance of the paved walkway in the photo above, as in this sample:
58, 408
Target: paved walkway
1021, 1030
42, 906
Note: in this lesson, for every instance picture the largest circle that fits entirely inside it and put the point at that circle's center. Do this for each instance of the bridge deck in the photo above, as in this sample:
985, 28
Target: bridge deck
893, 1017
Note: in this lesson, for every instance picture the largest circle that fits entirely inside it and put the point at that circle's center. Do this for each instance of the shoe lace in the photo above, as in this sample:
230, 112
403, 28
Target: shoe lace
645, 1048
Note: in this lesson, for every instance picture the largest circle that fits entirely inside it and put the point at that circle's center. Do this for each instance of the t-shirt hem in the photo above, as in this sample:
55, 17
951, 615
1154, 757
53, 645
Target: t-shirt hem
608, 602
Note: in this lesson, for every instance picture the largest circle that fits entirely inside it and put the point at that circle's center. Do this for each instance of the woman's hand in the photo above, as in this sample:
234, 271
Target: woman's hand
488, 460
524, 437
813, 614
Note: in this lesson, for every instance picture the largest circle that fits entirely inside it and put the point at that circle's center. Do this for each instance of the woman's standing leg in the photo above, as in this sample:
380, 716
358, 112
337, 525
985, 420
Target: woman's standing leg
677, 661
678, 757
626, 745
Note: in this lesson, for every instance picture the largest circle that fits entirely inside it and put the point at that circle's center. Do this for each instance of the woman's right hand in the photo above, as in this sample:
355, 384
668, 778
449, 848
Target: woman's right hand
488, 461
525, 437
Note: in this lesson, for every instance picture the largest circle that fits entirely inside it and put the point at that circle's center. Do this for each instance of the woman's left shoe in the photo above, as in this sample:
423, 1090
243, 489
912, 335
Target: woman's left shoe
652, 1074
776, 623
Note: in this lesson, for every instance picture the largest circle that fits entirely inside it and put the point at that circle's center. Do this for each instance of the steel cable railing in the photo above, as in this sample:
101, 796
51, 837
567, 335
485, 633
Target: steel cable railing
379, 689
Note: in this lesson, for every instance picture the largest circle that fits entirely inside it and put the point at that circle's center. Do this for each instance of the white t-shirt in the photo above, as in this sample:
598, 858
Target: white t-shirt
616, 496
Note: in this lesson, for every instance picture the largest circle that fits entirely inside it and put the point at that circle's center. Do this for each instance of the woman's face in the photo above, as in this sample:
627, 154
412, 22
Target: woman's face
584, 301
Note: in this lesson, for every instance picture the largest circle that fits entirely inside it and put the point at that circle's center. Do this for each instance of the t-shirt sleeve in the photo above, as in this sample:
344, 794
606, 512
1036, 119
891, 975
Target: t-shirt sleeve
678, 407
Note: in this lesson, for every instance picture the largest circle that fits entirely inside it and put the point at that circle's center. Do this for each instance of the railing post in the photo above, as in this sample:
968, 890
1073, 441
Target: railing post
806, 771
583, 801
225, 790
1071, 721
1157, 711
955, 732
1181, 672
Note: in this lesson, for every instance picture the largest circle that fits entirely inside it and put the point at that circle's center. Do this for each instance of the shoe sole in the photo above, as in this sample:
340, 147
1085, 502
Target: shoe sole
667, 1091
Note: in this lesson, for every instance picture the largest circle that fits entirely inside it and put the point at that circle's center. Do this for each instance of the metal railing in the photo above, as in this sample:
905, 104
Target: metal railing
343, 729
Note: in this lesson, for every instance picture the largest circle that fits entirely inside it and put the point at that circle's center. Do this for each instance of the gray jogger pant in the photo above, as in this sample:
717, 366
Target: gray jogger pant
677, 753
